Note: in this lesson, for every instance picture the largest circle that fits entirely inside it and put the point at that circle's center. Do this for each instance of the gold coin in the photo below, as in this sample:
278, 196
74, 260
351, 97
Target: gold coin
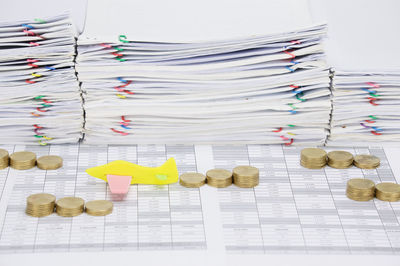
219, 178
361, 183
340, 156
246, 176
313, 158
313, 153
39, 205
4, 159
49, 162
388, 191
22, 160
340, 159
360, 189
192, 180
366, 161
99, 207
41, 199
312, 166
70, 206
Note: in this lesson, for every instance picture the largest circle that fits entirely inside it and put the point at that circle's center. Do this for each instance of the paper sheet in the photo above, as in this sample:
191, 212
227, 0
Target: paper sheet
22, 9
294, 211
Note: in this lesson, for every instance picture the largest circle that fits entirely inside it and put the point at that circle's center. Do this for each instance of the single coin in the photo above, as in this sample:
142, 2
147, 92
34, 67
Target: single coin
22, 160
70, 206
388, 191
313, 153
246, 171
41, 199
246, 176
70, 202
49, 162
366, 161
99, 207
4, 159
192, 180
361, 183
219, 178
340, 156
220, 174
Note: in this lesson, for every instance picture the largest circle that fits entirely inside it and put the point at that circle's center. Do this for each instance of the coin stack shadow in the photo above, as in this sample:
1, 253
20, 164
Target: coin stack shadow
388, 191
70, 206
23, 160
340, 159
4, 159
40, 205
219, 178
313, 158
360, 189
245, 176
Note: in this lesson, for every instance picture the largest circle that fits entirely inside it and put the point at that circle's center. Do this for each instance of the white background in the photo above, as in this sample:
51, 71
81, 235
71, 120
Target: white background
363, 35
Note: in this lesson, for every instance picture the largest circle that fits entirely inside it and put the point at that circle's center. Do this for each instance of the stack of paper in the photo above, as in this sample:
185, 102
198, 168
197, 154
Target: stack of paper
366, 107
261, 89
40, 96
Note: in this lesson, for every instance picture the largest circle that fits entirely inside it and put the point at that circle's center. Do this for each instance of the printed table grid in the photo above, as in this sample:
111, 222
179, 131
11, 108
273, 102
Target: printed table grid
298, 210
292, 210
150, 217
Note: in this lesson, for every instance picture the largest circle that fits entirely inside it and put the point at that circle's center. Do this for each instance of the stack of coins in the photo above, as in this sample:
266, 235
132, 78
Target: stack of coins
388, 191
219, 178
39, 205
49, 162
360, 189
340, 159
366, 161
70, 206
4, 159
99, 207
23, 160
192, 180
313, 158
246, 176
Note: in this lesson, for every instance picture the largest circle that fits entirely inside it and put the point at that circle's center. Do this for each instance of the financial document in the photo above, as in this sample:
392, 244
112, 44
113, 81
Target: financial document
293, 211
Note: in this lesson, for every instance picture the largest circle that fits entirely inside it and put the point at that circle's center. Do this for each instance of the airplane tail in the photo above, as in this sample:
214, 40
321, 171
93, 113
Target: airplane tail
167, 173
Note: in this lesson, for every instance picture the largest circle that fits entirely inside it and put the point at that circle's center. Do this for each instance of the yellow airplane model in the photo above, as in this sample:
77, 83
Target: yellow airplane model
121, 174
